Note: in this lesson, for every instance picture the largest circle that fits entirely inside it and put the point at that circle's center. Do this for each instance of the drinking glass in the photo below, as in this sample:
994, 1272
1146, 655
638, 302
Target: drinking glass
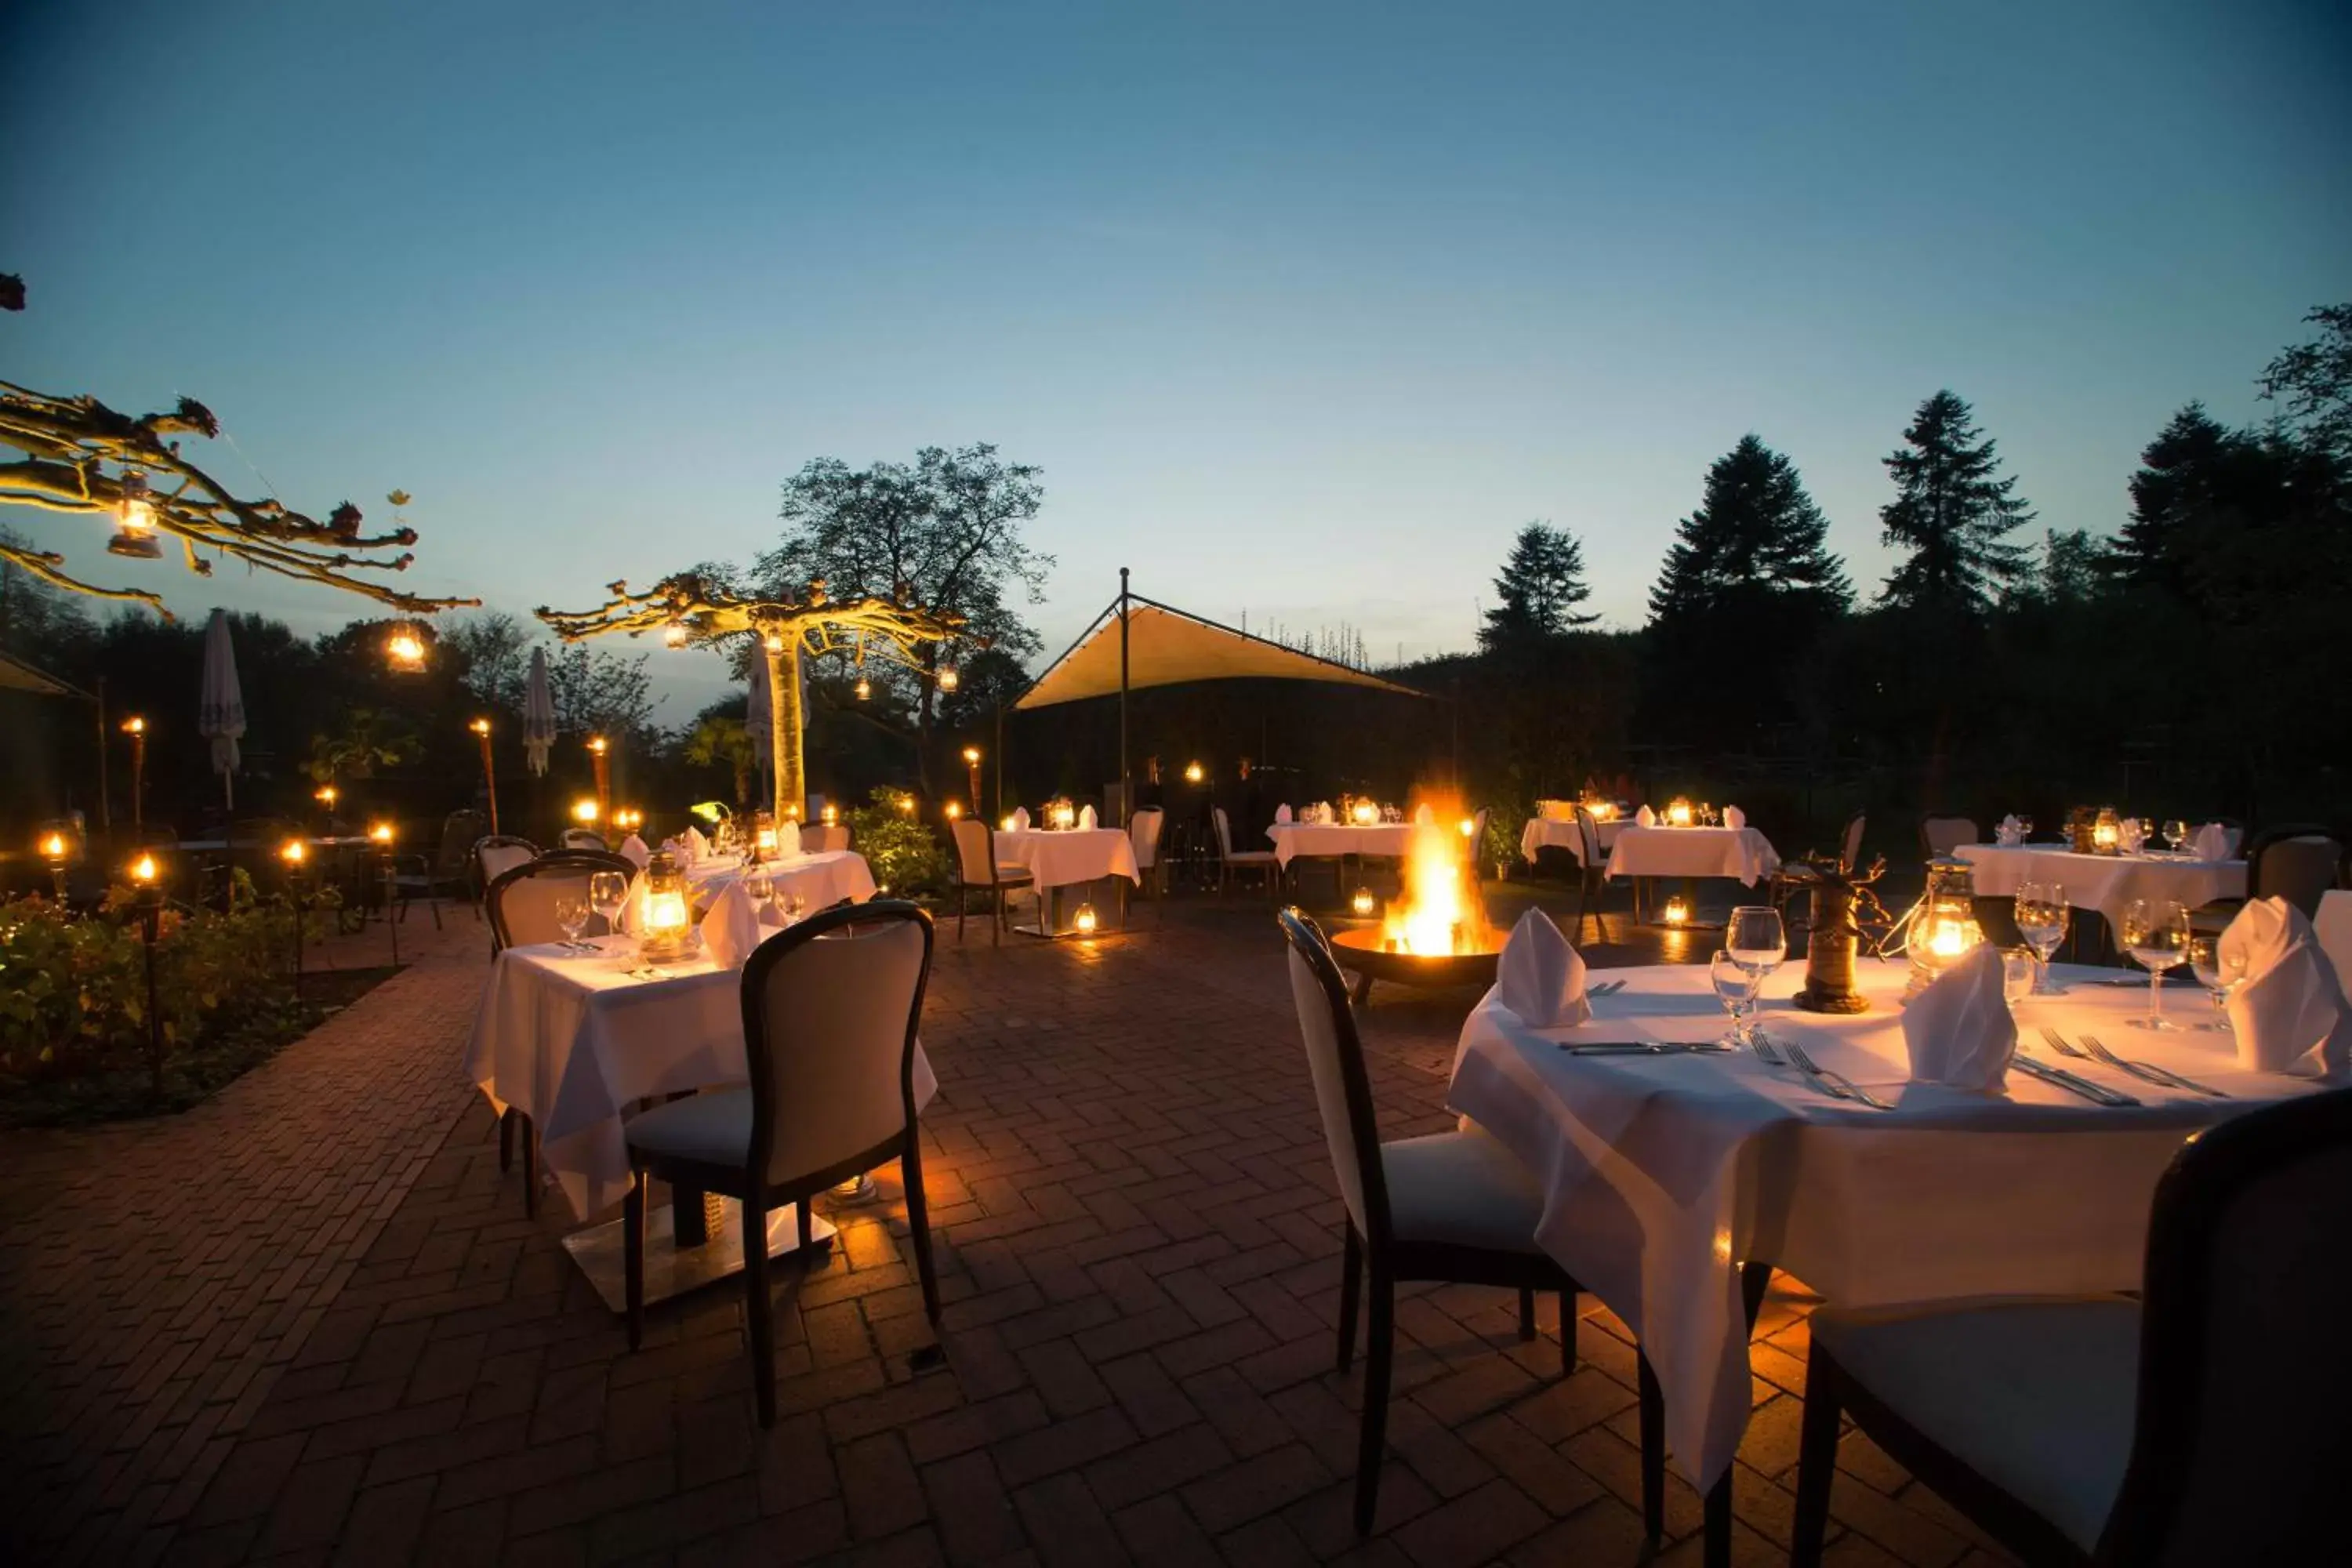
1735, 987
2218, 974
2176, 833
760, 885
2019, 969
2024, 829
1755, 936
795, 907
2156, 933
2041, 916
572, 915
608, 895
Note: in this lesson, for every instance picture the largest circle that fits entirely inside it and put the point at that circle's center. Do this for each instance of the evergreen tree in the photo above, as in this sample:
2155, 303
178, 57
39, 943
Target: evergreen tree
2186, 476
1542, 584
2313, 382
1950, 513
1757, 535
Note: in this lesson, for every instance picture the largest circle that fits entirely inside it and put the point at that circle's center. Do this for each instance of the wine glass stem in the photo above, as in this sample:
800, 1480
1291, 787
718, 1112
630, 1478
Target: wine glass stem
2155, 996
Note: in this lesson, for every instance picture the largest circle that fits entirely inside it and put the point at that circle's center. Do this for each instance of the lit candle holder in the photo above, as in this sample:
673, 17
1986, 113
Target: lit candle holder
1195, 772
949, 679
404, 648
1006, 826
2107, 832
1365, 813
1678, 812
1083, 920
1677, 910
1063, 816
1944, 928
663, 919
1363, 904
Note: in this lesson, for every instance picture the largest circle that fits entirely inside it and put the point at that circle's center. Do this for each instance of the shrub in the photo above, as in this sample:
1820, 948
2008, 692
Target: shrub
906, 857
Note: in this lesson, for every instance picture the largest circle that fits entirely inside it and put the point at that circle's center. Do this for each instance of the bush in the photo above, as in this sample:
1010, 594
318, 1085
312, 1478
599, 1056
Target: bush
906, 857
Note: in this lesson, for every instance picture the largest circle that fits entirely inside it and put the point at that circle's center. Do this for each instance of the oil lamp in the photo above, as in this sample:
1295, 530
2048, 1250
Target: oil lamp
1678, 812
865, 688
1677, 910
763, 835
674, 634
134, 522
1193, 773
1062, 815
662, 918
949, 679
1083, 920
404, 647
1364, 813
1944, 927
1363, 904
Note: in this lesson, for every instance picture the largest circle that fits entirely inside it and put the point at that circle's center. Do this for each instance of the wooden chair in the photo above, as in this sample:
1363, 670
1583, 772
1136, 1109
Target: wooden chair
1230, 860
1454, 1207
978, 869
2202, 1423
831, 1008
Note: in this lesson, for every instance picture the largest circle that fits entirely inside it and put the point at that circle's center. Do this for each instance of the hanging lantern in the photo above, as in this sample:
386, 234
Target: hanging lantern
134, 522
775, 641
404, 648
143, 870
674, 634
865, 688
949, 679
1363, 904
662, 918
1083, 920
1944, 927
1365, 813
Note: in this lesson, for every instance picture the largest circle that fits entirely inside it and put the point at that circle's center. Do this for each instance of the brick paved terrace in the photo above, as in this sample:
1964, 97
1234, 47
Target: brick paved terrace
309, 1321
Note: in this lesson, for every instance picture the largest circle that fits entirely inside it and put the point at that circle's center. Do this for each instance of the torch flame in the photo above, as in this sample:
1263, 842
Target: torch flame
1436, 916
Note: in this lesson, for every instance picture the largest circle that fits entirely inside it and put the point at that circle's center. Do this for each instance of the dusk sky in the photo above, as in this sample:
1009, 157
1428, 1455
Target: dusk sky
1302, 310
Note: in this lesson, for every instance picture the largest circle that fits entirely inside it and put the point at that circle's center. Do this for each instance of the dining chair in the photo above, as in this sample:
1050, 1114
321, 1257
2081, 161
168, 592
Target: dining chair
1943, 835
2333, 926
1593, 880
2201, 1423
1143, 830
448, 870
819, 838
2295, 861
978, 869
1451, 1206
1230, 860
495, 853
583, 838
831, 1008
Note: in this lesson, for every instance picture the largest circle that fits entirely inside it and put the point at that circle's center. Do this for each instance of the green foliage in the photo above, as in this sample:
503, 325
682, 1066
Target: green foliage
1950, 513
720, 740
368, 739
2313, 384
905, 855
1538, 593
1757, 540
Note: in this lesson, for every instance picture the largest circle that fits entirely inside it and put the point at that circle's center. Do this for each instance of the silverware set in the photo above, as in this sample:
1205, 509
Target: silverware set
1640, 1048
2092, 1050
1606, 988
1836, 1085
2059, 1078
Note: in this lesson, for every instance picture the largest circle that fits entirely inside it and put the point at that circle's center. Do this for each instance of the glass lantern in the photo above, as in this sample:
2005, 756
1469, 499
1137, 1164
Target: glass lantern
663, 919
2107, 832
1678, 812
763, 835
1944, 927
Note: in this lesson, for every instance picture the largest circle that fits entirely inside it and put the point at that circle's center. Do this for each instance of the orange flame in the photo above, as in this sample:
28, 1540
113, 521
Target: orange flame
1440, 912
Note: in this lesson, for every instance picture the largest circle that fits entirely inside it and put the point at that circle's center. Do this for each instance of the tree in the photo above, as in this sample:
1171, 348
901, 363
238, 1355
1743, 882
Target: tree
497, 650
601, 693
2071, 566
2313, 383
1950, 513
2185, 476
719, 739
1537, 595
36, 616
369, 740
1757, 535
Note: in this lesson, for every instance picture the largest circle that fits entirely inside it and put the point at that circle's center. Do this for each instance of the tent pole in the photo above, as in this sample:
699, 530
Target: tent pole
1125, 782
1000, 759
105, 807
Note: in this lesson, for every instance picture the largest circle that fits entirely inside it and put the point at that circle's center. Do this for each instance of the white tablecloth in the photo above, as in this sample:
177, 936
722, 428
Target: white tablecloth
570, 1040
1292, 839
1740, 852
1663, 1174
1075, 855
2103, 882
819, 879
1541, 831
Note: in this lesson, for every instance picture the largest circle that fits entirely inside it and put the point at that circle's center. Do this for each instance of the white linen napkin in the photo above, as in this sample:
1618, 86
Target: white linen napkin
1540, 976
1958, 1031
1020, 818
1423, 816
679, 850
2008, 833
1282, 812
788, 839
731, 929
635, 848
698, 843
2211, 842
1734, 818
1086, 819
634, 906
1323, 811
2289, 1012
1645, 817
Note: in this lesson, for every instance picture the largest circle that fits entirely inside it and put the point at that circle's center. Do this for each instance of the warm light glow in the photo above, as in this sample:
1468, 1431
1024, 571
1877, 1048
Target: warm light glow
1007, 824
674, 634
1469, 827
381, 833
135, 512
1062, 815
144, 871
955, 809
765, 840
905, 805
583, 810
479, 726
1677, 911
404, 648
628, 817
1602, 810
294, 852
1193, 774
865, 688
1435, 917
832, 813
598, 745
325, 795
775, 642
1364, 903
971, 756
1678, 813
1084, 920
949, 679
134, 726
53, 846
1365, 813
1947, 938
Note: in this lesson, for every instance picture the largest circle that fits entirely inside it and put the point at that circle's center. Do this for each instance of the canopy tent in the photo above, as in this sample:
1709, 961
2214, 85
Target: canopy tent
1138, 642
16, 675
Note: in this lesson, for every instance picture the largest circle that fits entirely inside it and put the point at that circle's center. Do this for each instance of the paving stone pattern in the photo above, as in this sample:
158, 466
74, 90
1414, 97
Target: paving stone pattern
310, 1323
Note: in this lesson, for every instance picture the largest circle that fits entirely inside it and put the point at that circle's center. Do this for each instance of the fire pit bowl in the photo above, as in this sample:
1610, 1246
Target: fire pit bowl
1363, 949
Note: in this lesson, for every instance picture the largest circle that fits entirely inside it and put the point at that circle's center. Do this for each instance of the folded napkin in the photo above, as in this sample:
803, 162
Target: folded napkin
2289, 1012
698, 843
1959, 1030
1020, 818
788, 838
2008, 833
633, 906
1423, 816
1282, 813
731, 929
1540, 977
679, 850
1323, 811
2211, 842
1734, 818
1087, 820
1645, 817
635, 848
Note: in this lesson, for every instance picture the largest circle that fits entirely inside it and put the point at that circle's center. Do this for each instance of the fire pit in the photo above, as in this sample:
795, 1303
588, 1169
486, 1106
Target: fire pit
1436, 934
1365, 950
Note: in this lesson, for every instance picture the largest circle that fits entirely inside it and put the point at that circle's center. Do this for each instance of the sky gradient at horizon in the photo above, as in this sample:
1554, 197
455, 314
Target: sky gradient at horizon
1302, 313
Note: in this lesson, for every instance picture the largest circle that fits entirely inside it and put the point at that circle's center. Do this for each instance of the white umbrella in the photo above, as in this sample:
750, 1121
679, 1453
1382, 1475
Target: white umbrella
538, 715
220, 710
758, 710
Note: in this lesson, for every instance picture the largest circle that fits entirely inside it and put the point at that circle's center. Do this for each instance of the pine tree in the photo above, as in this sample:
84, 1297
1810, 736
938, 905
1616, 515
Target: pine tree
1950, 513
1542, 584
1756, 536
2185, 478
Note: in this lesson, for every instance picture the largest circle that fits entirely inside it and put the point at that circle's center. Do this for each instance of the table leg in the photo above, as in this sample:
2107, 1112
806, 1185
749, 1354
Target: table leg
1716, 1549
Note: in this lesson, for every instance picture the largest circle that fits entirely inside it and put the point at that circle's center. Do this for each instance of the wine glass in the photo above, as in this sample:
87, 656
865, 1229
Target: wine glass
795, 907
2041, 916
572, 915
1735, 987
2156, 933
2018, 970
608, 895
1755, 936
2024, 829
2176, 833
759, 884
2218, 971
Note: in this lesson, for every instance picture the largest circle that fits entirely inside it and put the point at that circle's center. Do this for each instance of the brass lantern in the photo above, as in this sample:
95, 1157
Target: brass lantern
1944, 927
2107, 832
663, 919
764, 836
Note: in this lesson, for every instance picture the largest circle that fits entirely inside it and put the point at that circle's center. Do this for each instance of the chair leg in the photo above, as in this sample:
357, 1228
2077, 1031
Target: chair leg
506, 1140
1816, 1461
633, 1237
434, 905
1378, 1349
759, 1307
529, 1135
919, 1221
1567, 1327
963, 902
1351, 1290
1526, 1314
1653, 1402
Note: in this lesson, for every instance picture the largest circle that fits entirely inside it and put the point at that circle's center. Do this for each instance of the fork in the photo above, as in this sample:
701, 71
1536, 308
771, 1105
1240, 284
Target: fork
1766, 1052
1607, 988
1837, 1085
2149, 1070
2058, 1043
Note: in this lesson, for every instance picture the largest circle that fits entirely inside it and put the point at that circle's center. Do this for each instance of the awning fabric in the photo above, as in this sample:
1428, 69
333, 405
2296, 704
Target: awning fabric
1166, 647
16, 675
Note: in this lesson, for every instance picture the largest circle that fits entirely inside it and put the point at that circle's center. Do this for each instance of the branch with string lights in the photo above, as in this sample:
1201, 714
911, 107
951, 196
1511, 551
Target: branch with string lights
690, 608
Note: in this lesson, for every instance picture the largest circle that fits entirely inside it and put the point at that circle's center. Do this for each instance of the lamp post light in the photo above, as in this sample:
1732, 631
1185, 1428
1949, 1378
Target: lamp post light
147, 883
56, 849
293, 854
481, 729
600, 754
380, 837
972, 765
326, 795
136, 728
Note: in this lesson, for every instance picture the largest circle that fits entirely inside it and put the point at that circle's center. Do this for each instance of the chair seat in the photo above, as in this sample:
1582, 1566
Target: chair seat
2037, 1397
1250, 857
1461, 1188
713, 1128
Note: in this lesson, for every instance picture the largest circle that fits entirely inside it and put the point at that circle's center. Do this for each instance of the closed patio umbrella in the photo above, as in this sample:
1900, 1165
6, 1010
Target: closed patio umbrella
538, 715
220, 710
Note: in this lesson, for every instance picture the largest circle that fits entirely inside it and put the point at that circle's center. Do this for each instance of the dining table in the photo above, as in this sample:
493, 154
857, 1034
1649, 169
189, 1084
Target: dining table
1562, 833
575, 1036
818, 879
1059, 858
1339, 840
2103, 884
1674, 1177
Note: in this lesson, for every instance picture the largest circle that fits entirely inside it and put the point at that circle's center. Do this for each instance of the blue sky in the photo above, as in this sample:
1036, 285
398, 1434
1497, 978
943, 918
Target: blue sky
1304, 309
